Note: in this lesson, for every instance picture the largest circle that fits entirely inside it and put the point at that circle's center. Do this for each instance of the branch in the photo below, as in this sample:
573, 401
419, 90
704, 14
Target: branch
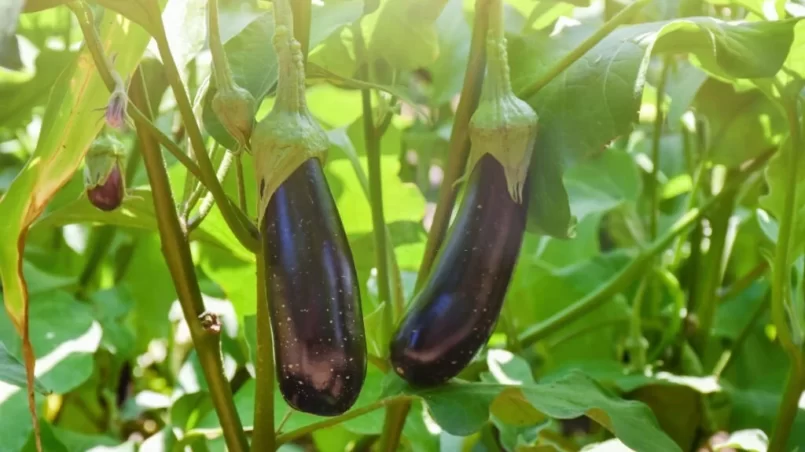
176, 250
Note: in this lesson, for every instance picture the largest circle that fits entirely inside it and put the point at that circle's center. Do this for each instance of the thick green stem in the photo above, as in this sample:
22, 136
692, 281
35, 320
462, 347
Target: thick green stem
263, 435
176, 250
638, 345
220, 65
290, 82
372, 141
656, 139
376, 199
206, 203
393, 425
583, 48
781, 286
301, 25
706, 298
624, 278
459, 147
241, 181
789, 405
199, 190
781, 293
247, 236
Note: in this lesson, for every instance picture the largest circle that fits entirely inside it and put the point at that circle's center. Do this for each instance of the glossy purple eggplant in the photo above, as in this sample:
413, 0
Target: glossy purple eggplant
455, 313
313, 296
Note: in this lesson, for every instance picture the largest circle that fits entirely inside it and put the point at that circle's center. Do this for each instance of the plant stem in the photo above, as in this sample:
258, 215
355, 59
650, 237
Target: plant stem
220, 65
301, 25
622, 279
263, 436
246, 236
241, 184
706, 299
372, 141
300, 432
198, 191
176, 249
459, 147
656, 139
781, 293
207, 202
780, 288
744, 281
726, 357
637, 349
583, 48
789, 405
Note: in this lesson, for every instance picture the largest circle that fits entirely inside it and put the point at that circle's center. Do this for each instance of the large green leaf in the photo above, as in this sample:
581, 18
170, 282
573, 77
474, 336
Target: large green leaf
454, 48
602, 183
403, 32
742, 125
597, 98
13, 372
463, 408
65, 336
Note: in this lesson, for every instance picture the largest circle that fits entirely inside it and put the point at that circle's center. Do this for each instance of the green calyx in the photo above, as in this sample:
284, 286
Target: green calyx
289, 135
234, 106
503, 126
104, 154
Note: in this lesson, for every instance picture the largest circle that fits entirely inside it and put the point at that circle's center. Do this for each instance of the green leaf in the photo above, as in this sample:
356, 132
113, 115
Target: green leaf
21, 99
65, 337
403, 32
146, 13
137, 211
377, 338
237, 278
152, 290
186, 29
111, 307
774, 202
463, 408
684, 82
12, 372
454, 49
742, 125
566, 285
597, 98
602, 183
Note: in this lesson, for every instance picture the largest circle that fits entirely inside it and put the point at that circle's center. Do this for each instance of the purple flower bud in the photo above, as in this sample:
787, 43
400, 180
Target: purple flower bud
109, 195
116, 110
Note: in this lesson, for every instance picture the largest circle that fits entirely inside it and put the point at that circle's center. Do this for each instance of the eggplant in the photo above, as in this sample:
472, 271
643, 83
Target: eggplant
109, 194
455, 313
313, 295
